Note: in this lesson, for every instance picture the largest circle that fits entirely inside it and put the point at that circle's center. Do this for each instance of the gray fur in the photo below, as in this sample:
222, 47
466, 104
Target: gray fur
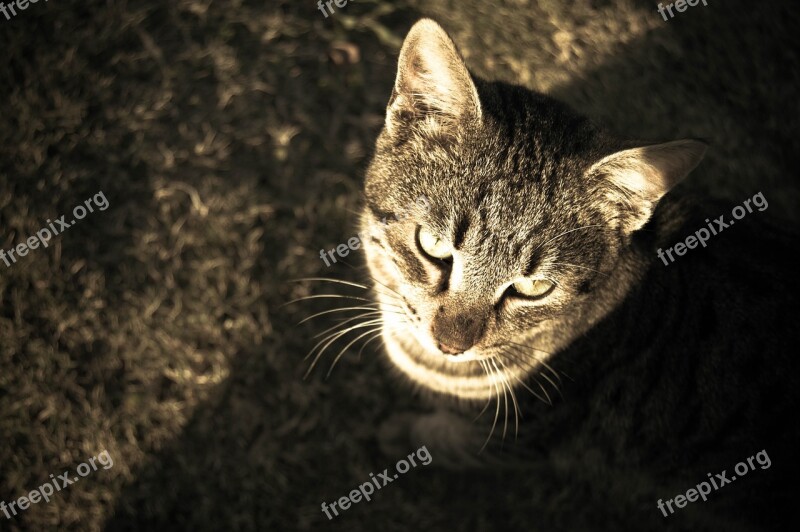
667, 373
520, 184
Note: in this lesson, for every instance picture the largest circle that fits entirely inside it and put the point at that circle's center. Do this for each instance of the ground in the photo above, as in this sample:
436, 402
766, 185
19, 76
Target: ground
230, 139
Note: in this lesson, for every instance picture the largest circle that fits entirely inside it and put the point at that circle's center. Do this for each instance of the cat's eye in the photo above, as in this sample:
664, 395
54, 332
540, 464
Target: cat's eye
533, 288
433, 246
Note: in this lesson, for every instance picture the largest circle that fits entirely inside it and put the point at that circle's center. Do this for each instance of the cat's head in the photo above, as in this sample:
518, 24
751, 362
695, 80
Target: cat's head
510, 220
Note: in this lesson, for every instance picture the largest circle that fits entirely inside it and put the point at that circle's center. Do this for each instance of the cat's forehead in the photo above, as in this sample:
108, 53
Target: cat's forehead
496, 207
488, 228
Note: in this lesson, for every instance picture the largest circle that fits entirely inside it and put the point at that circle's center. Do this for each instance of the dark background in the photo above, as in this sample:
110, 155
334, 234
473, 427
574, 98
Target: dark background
230, 139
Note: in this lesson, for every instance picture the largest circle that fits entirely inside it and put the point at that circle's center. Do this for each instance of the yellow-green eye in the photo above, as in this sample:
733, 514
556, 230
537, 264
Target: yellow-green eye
533, 288
433, 246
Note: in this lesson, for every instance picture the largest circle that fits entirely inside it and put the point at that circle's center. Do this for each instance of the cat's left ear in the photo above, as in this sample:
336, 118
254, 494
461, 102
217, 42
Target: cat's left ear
635, 179
433, 90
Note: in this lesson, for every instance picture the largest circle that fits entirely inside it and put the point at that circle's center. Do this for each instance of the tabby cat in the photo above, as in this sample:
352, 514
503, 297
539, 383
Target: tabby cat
531, 282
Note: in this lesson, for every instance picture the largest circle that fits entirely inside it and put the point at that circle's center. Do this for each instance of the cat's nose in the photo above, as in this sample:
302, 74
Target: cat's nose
450, 350
456, 332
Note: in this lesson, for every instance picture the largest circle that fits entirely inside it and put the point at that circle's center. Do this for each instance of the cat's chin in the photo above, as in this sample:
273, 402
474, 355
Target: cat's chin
462, 376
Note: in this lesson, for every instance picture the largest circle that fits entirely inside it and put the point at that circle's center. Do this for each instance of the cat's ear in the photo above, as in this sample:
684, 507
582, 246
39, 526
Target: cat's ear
433, 89
635, 179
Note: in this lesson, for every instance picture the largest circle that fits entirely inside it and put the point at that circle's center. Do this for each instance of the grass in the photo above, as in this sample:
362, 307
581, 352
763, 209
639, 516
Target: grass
230, 139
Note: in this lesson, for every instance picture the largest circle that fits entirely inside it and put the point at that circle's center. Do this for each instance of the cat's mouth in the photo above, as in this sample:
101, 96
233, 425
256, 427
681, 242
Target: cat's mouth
467, 356
472, 375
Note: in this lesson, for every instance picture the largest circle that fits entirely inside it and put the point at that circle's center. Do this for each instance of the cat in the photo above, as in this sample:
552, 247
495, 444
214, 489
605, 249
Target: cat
531, 282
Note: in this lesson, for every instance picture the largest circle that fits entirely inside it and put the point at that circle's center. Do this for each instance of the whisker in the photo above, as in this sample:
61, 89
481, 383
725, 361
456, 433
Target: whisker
548, 379
399, 295
344, 309
342, 352
338, 334
321, 296
538, 371
372, 278
529, 347
497, 411
517, 411
524, 385
489, 400
365, 344
550, 401
331, 339
505, 398
363, 315
329, 280
541, 360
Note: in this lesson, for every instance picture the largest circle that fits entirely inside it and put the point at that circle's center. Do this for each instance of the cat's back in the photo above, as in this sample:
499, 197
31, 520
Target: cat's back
695, 373
710, 339
706, 361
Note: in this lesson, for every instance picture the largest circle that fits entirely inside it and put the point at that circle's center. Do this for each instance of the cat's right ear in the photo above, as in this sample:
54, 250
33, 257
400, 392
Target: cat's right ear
636, 179
433, 91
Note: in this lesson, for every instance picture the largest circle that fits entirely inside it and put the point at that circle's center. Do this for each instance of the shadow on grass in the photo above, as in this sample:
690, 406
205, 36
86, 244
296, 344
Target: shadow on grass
231, 144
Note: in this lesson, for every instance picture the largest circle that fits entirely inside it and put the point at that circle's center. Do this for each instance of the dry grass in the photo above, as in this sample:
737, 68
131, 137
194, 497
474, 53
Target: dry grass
230, 139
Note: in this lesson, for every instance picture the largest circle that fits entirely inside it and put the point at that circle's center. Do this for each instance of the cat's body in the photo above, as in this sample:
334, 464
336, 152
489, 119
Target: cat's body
534, 269
695, 372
